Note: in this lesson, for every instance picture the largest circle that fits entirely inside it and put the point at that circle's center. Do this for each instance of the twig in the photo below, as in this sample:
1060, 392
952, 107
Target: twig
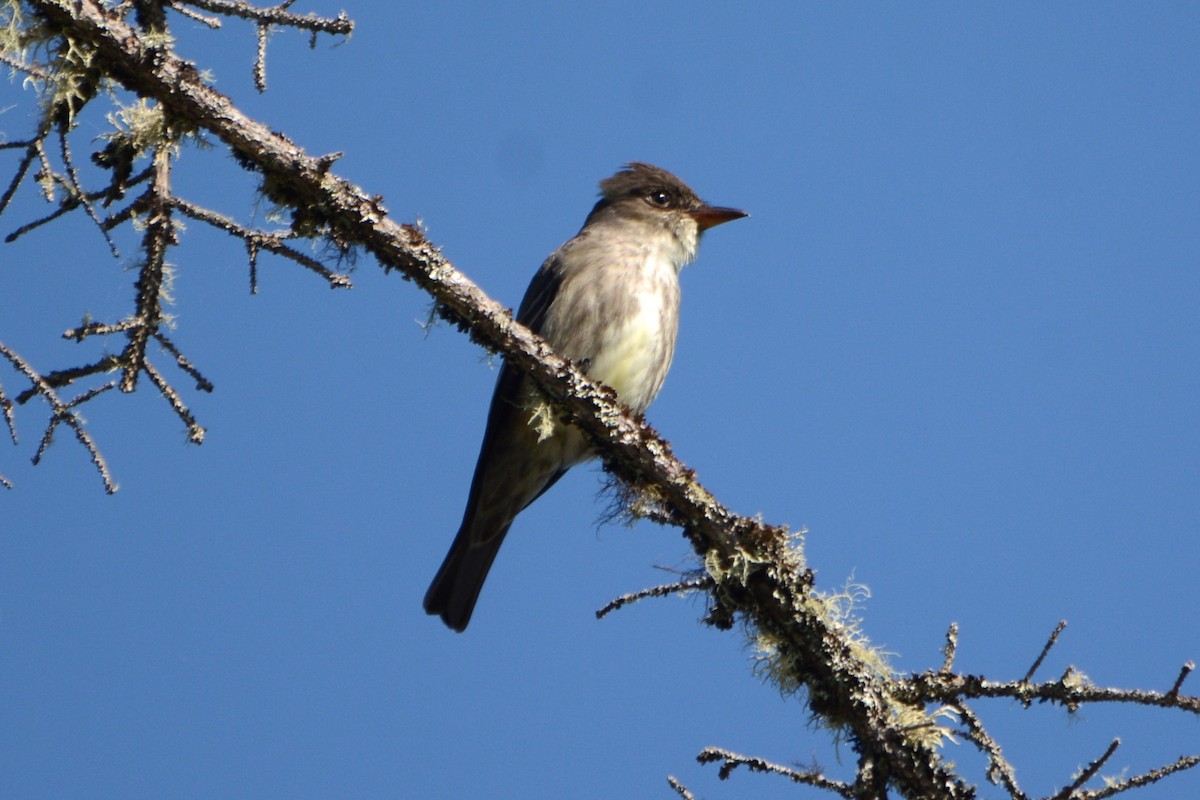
62, 413
68, 204
680, 789
195, 430
19, 175
1062, 623
65, 377
252, 257
689, 585
733, 760
99, 329
260, 58
271, 242
1145, 779
36, 70
341, 25
1184, 671
999, 770
951, 648
6, 407
82, 196
158, 238
193, 14
202, 383
1088, 772
933, 687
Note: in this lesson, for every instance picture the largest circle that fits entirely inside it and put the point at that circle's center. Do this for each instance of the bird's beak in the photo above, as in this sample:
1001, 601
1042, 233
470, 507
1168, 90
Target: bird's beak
707, 216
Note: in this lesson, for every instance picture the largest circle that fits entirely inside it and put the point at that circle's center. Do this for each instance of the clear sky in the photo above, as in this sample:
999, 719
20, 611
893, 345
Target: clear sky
958, 340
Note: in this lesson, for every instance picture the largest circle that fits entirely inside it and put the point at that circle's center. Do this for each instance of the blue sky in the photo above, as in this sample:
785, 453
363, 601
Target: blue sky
957, 340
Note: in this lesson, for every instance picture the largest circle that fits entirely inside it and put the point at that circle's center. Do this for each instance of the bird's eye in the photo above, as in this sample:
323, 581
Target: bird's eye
658, 198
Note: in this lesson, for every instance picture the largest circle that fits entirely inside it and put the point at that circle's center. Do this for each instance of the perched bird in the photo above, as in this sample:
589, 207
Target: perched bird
608, 299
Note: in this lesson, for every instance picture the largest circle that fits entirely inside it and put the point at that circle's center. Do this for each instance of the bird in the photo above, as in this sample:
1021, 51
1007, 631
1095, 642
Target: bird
608, 300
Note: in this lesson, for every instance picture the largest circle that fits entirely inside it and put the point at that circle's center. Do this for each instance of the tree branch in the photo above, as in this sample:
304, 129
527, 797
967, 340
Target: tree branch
64, 413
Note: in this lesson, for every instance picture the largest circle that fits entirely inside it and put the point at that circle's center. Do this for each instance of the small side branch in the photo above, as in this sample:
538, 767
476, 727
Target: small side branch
193, 14
31, 154
265, 19
1145, 779
255, 240
999, 771
195, 430
260, 58
680, 789
6, 408
202, 383
690, 585
1088, 772
951, 648
341, 25
79, 195
65, 377
63, 413
1062, 624
1183, 673
152, 275
1071, 691
731, 761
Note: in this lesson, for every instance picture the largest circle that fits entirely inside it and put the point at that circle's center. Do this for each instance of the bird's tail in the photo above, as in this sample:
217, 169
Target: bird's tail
456, 586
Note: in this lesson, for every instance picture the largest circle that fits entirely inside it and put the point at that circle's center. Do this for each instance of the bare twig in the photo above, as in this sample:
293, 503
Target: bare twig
951, 648
62, 412
21, 171
1145, 779
202, 383
68, 204
1087, 773
99, 329
688, 585
158, 238
65, 377
731, 761
195, 430
1070, 690
252, 258
36, 71
260, 58
193, 14
1184, 671
999, 771
271, 242
6, 407
71, 202
1062, 623
80, 196
341, 25
680, 789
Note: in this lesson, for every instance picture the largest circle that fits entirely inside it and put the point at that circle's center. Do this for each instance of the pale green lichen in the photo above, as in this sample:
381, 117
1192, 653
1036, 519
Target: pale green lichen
544, 420
1074, 679
839, 613
142, 126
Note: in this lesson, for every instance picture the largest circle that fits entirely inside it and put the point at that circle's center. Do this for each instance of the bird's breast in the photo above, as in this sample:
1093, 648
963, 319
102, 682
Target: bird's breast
636, 350
616, 312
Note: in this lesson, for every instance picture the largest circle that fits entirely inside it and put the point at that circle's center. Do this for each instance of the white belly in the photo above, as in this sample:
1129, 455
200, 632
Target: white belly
631, 358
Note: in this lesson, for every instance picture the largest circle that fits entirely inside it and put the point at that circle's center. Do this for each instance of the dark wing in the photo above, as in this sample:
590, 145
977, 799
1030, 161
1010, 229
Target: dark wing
538, 297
